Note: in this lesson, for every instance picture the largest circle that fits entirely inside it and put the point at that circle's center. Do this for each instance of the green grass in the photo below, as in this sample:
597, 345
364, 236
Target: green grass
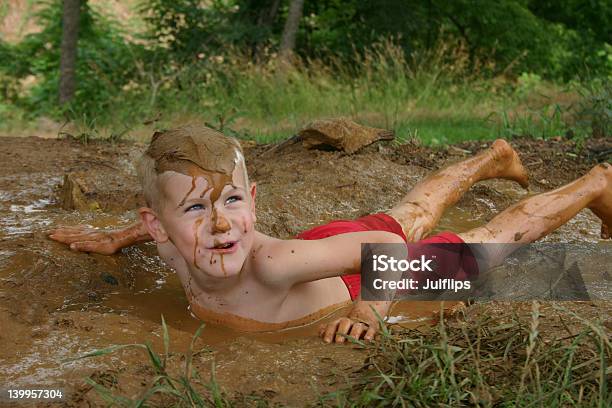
446, 130
433, 97
503, 360
186, 389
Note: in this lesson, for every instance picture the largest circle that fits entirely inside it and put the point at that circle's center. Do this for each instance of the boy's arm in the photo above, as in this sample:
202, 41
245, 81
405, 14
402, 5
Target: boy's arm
335, 256
360, 322
86, 239
299, 261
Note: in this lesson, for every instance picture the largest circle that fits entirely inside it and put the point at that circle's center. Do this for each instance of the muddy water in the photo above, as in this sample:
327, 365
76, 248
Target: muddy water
56, 304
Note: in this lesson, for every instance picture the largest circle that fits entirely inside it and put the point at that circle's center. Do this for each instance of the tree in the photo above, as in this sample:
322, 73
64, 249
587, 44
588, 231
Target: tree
265, 22
68, 49
294, 15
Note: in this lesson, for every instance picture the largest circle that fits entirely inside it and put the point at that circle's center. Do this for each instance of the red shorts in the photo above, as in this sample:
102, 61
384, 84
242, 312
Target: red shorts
381, 222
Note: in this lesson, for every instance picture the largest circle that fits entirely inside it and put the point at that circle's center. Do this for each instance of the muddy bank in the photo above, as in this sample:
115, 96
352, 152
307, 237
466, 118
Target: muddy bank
56, 304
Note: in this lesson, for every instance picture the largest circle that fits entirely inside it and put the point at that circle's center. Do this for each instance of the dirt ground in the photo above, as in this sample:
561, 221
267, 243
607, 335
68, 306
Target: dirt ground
56, 304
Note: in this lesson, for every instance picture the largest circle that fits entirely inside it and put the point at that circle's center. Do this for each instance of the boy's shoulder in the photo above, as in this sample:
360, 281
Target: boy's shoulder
269, 258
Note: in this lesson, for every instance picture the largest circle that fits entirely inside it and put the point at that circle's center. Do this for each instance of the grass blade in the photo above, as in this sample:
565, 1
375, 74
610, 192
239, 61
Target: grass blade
166, 338
104, 351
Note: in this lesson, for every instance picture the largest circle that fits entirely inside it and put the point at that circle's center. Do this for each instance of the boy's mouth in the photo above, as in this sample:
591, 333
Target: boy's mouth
229, 246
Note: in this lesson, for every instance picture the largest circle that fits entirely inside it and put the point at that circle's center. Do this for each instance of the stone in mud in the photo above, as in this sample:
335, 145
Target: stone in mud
72, 196
341, 134
108, 278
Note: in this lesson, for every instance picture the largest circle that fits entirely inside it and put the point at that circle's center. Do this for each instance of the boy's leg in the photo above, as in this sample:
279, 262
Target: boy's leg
539, 215
522, 223
421, 209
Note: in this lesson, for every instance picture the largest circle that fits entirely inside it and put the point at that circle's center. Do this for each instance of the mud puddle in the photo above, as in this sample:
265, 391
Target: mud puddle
56, 304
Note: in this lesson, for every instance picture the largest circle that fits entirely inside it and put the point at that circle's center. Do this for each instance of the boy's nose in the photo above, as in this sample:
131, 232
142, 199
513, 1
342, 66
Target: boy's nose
220, 224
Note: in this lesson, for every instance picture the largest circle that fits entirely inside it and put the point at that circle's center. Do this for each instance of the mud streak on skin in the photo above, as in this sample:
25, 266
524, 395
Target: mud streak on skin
193, 186
197, 225
204, 192
195, 253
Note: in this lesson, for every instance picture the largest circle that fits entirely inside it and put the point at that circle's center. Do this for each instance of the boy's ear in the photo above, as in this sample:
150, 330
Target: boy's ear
152, 223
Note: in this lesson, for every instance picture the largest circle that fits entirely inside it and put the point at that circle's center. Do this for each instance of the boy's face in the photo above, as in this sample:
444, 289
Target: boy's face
212, 226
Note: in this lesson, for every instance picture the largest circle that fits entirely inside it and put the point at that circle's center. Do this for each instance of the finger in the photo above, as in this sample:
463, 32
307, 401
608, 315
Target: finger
69, 230
69, 239
330, 331
81, 231
66, 238
357, 330
343, 328
322, 329
91, 246
89, 235
369, 336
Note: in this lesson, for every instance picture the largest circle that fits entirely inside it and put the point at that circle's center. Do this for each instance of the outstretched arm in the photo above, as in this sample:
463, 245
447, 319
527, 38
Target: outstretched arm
105, 242
335, 256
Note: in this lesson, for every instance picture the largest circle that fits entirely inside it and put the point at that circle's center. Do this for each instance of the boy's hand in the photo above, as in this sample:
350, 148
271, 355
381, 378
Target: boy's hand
105, 242
334, 331
361, 322
85, 239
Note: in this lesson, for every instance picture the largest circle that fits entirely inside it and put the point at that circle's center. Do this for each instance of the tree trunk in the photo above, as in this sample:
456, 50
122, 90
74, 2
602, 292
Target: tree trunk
266, 18
268, 14
70, 36
291, 26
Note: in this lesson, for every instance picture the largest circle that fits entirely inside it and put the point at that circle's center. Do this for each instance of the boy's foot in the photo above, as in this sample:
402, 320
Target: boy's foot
602, 205
507, 163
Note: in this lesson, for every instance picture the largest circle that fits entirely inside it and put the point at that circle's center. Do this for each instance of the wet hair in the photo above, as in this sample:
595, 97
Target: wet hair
187, 150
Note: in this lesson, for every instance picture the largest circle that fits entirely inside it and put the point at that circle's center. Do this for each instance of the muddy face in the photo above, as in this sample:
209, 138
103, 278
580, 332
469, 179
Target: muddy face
207, 207
211, 226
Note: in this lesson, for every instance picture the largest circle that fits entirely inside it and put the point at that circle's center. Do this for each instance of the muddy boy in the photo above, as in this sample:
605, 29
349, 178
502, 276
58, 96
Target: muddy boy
201, 213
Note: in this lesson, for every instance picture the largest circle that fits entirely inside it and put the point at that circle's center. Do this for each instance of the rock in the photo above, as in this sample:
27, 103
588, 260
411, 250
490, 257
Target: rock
341, 134
72, 196
108, 278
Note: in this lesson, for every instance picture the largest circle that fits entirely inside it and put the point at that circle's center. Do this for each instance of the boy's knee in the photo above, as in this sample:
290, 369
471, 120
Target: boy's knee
415, 220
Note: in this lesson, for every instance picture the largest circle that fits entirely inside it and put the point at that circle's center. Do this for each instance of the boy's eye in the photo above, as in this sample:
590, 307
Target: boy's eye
195, 207
233, 199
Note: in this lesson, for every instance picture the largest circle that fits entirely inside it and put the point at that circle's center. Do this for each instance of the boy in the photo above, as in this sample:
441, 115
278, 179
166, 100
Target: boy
201, 213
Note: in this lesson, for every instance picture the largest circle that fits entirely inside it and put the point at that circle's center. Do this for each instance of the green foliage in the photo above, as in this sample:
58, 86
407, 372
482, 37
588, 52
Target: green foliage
339, 27
104, 63
514, 36
541, 123
595, 110
474, 360
583, 33
506, 31
487, 361
188, 30
428, 68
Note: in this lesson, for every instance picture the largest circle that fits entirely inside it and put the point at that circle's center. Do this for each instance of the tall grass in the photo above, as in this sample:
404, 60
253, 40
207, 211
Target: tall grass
186, 389
384, 88
505, 359
438, 96
500, 360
